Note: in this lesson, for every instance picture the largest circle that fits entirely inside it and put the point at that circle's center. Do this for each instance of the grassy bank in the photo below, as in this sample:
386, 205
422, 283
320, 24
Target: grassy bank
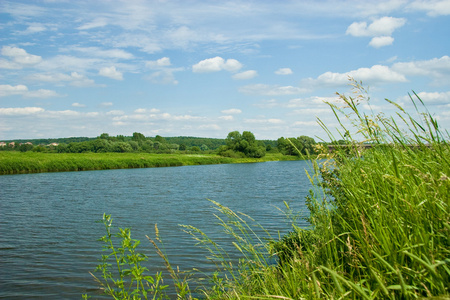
15, 162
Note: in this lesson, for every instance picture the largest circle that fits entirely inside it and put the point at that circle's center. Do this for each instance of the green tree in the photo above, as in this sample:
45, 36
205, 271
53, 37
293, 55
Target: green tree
138, 138
244, 143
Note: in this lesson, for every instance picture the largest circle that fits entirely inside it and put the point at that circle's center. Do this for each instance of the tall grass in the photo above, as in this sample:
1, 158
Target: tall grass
379, 218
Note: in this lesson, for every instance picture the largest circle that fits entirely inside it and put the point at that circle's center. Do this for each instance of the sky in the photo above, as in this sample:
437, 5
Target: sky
206, 68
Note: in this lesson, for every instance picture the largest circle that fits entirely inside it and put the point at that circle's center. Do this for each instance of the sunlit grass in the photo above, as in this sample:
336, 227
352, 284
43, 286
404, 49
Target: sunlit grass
15, 162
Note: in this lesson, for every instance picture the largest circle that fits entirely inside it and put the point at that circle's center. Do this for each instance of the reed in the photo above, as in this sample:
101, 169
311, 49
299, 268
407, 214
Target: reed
379, 218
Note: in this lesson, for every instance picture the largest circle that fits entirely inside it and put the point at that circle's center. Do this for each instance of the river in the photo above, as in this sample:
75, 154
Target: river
48, 240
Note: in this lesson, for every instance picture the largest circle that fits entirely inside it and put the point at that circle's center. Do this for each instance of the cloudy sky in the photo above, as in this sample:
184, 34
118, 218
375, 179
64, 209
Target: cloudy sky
205, 68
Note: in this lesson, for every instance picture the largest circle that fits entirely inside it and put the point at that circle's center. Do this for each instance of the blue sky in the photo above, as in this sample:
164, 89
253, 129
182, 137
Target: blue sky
205, 68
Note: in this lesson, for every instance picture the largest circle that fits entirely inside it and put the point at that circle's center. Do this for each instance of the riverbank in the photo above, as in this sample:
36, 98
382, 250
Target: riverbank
14, 162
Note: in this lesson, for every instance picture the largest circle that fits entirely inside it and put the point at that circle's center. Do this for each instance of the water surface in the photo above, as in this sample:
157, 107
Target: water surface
48, 240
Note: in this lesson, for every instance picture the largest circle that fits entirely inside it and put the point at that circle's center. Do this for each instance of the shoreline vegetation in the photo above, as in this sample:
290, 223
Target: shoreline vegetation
15, 162
379, 225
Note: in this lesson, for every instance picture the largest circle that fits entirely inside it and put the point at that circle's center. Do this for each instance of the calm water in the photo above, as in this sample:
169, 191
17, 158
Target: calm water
48, 240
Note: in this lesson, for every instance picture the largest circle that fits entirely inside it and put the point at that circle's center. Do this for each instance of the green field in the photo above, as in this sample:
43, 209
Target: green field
15, 162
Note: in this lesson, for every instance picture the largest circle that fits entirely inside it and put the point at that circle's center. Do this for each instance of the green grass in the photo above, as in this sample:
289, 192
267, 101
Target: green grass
15, 162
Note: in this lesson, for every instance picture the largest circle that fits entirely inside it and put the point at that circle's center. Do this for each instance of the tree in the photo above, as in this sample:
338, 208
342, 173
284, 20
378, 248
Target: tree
138, 137
244, 143
302, 145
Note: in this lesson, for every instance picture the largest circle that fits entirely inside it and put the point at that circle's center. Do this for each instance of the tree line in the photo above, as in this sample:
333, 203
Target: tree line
236, 144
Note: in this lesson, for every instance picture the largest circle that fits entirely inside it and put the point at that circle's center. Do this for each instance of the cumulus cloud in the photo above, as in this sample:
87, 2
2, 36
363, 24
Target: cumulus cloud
373, 75
147, 111
216, 64
232, 111
111, 72
381, 41
432, 98
271, 90
436, 68
19, 58
162, 62
380, 29
284, 71
76, 104
384, 26
9, 90
20, 111
245, 75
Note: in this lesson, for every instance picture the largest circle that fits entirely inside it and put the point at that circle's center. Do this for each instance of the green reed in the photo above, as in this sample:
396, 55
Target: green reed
379, 218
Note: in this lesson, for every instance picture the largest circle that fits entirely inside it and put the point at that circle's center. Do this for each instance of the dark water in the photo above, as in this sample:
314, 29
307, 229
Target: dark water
48, 233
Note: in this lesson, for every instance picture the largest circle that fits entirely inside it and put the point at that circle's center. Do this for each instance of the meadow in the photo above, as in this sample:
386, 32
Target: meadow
16, 162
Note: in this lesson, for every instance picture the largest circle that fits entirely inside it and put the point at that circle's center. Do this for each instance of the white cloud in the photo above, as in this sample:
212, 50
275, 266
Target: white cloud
76, 104
245, 75
164, 76
384, 26
106, 104
20, 111
70, 63
146, 111
9, 90
216, 64
270, 90
306, 123
111, 72
41, 93
99, 22
227, 118
381, 41
115, 113
162, 62
372, 75
34, 28
232, 111
380, 29
98, 52
433, 8
74, 79
284, 71
436, 68
20, 58
437, 98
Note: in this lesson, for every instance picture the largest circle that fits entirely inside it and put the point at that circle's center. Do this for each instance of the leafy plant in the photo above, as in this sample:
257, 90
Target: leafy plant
122, 274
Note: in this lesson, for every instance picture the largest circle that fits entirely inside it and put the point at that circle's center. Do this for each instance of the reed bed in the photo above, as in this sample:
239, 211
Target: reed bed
379, 218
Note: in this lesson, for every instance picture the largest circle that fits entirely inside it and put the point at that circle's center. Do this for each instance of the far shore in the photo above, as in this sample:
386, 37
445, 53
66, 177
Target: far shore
14, 162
